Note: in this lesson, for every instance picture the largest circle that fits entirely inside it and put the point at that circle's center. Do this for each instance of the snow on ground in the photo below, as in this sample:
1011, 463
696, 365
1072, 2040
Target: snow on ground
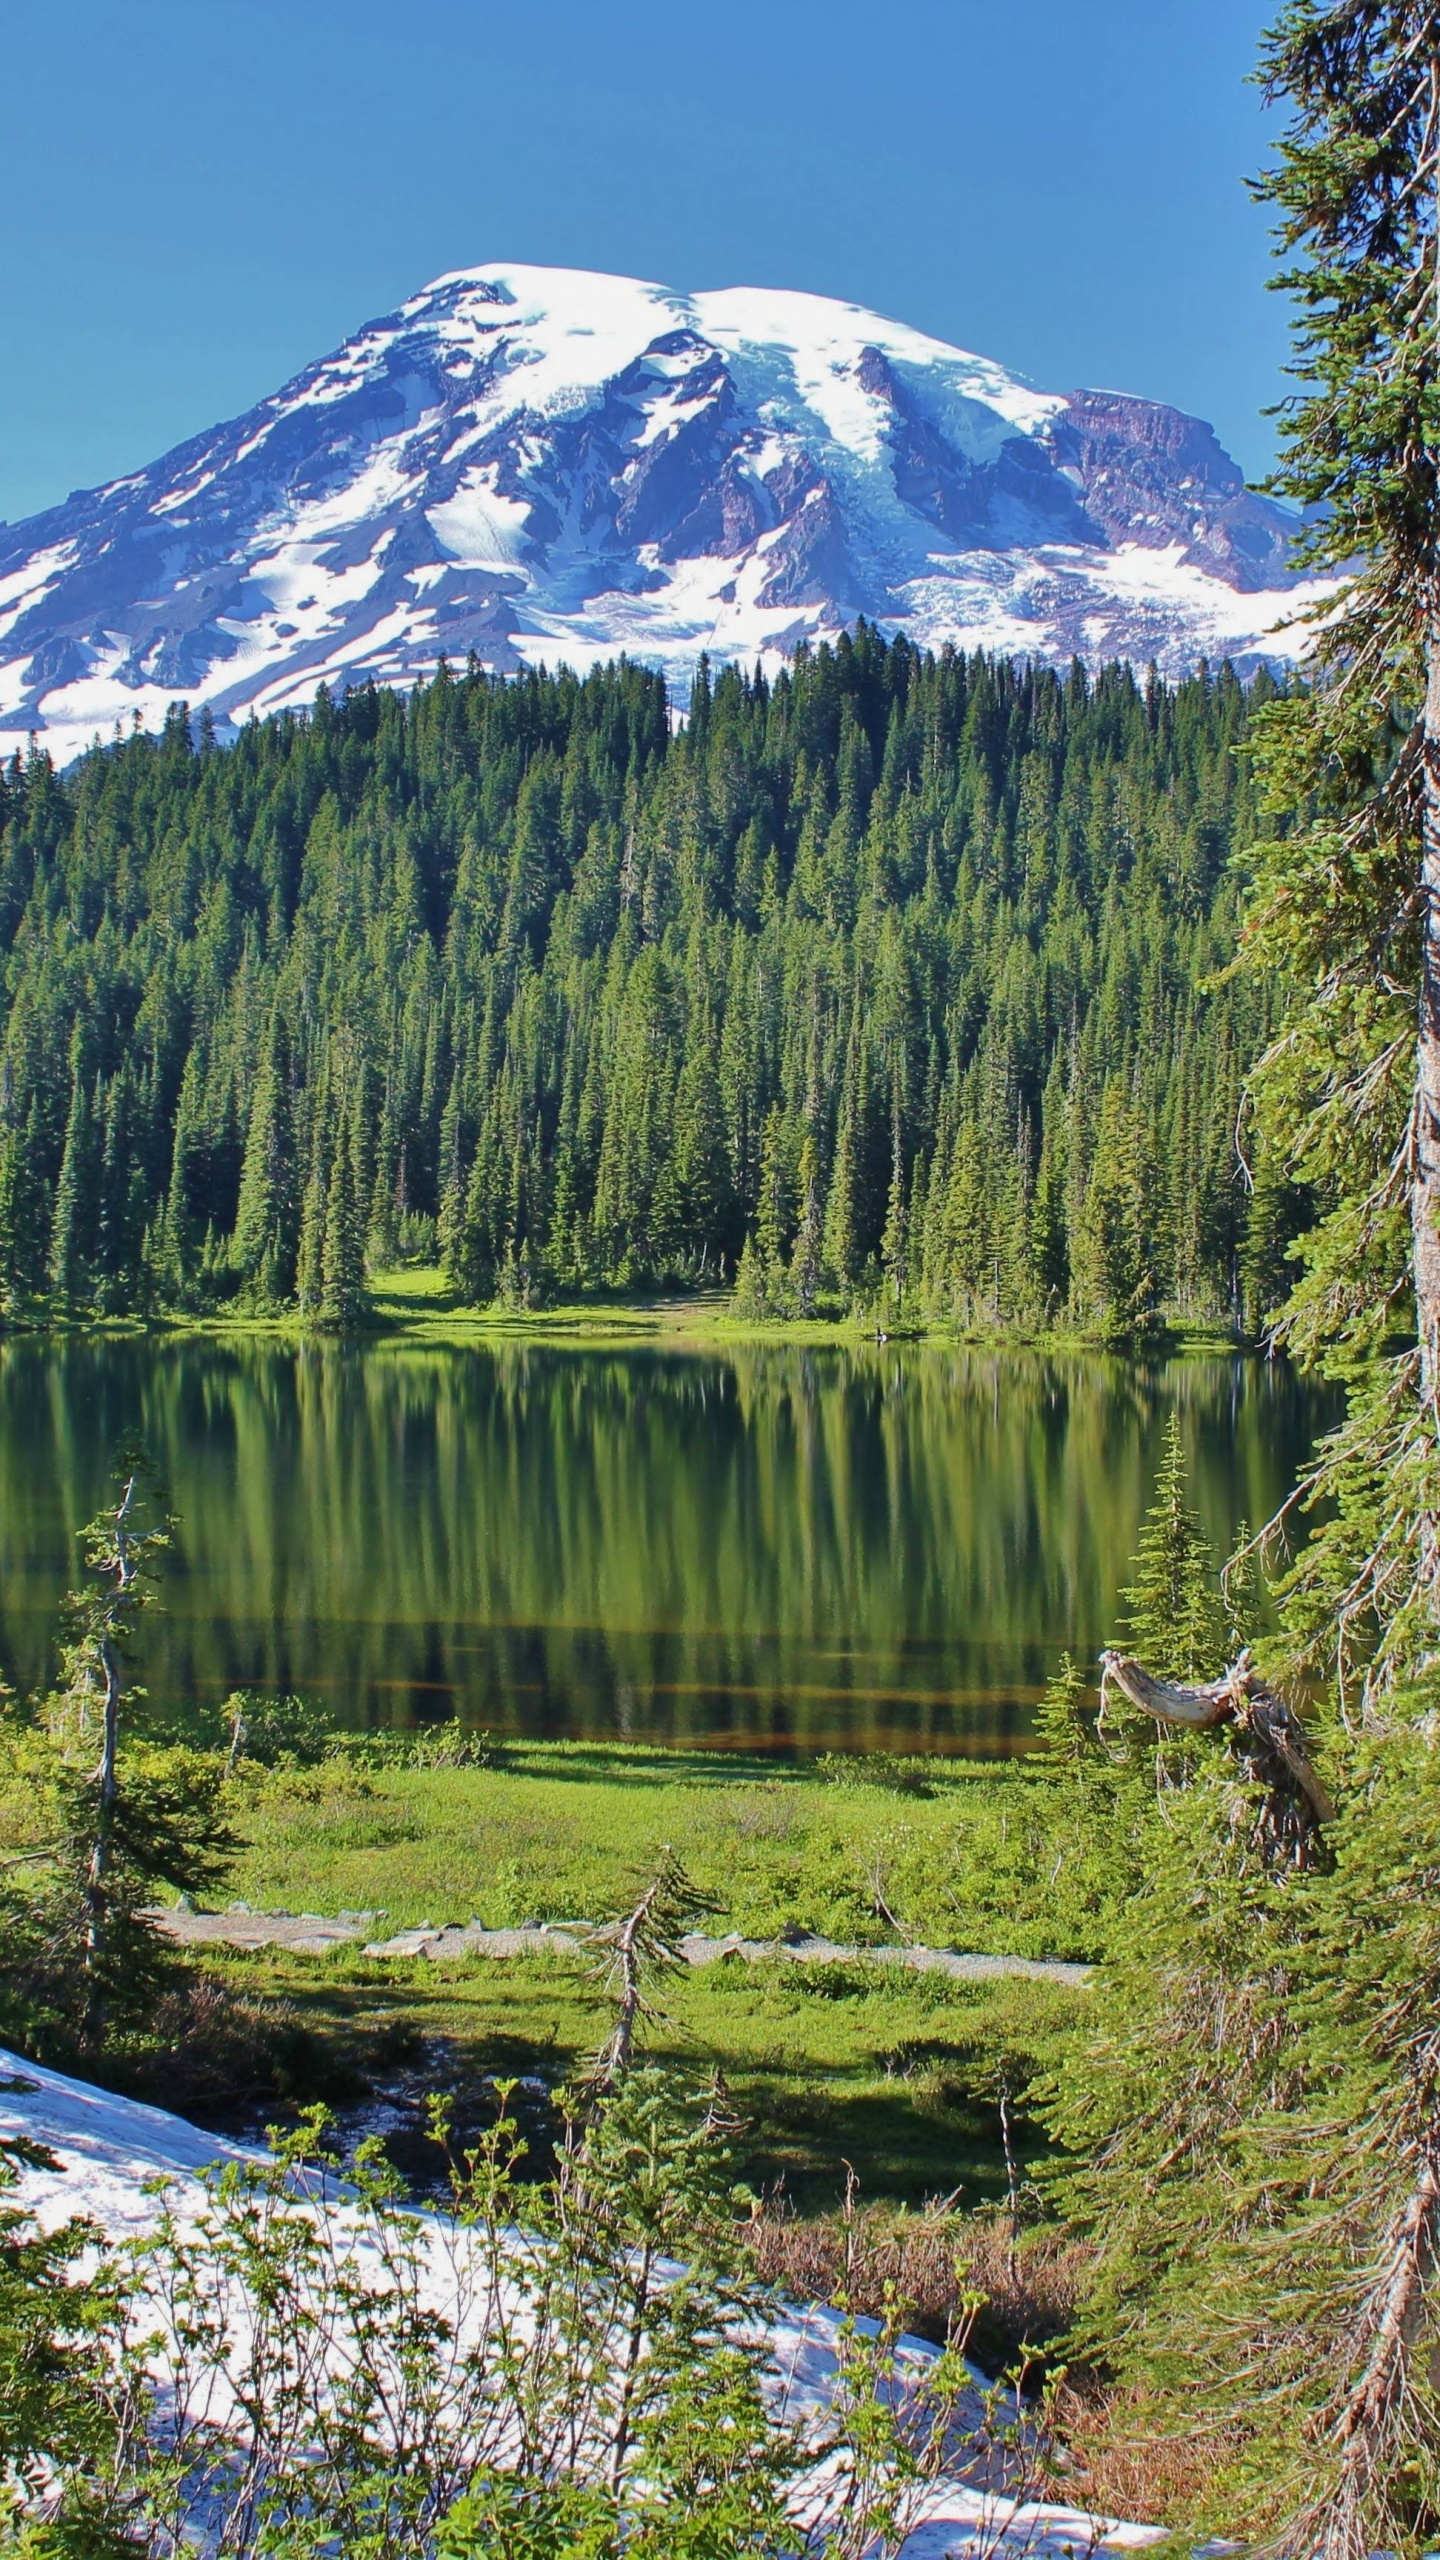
112, 2150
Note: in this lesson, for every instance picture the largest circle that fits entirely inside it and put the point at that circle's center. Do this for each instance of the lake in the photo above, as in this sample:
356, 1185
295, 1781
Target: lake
758, 1546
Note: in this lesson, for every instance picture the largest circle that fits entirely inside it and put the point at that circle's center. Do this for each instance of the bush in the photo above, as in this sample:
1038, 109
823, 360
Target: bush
608, 2400
448, 1745
894, 1776
211, 2046
928, 2266
270, 1728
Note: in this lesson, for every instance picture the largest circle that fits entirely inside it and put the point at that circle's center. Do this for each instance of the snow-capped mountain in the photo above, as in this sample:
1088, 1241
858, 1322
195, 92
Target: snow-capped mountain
534, 463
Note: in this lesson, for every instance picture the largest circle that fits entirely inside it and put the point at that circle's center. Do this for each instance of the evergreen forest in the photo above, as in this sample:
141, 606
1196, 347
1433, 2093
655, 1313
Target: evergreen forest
943, 988
899, 982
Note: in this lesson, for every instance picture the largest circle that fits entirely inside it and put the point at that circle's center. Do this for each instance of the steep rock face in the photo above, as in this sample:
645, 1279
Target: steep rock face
1150, 475
535, 463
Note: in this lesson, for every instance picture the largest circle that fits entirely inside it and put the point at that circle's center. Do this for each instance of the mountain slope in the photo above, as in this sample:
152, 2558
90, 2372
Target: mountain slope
538, 463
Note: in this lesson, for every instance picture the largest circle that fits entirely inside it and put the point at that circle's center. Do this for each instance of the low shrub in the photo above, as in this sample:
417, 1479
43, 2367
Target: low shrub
932, 2265
883, 1769
448, 1745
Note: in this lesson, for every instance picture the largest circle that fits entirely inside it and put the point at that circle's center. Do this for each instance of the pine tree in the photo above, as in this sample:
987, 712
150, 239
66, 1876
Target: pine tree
895, 1241
23, 1268
551, 999
267, 1220
118, 1222
750, 1296
1049, 1237
129, 1830
1351, 767
309, 1266
180, 1238
1173, 1618
774, 1216
702, 1171
342, 1253
966, 1253
805, 1261
69, 1272
1113, 1262
1062, 1727
452, 1180
839, 1243
1255, 2116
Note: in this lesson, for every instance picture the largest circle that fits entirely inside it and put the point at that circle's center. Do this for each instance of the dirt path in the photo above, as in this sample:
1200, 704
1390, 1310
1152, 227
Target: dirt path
307, 1933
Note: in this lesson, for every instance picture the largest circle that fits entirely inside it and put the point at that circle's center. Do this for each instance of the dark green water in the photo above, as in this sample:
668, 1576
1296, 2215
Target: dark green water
765, 1546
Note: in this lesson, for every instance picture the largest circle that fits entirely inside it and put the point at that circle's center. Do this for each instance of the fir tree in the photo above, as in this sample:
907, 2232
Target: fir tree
839, 1245
23, 1269
586, 984
69, 1271
895, 1241
342, 1252
774, 1219
1113, 1266
751, 1294
1062, 1727
267, 1219
1173, 1618
805, 1262
309, 1269
1255, 2117
130, 1829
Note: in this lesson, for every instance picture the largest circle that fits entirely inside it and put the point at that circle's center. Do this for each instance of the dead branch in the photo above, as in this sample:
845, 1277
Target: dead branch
644, 1942
1371, 2424
1269, 1733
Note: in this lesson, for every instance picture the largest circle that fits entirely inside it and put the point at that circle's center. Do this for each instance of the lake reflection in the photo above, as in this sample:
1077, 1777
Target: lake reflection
774, 1547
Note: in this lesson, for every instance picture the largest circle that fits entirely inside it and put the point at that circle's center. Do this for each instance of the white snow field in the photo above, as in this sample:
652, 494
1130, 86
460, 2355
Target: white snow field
541, 464
113, 2151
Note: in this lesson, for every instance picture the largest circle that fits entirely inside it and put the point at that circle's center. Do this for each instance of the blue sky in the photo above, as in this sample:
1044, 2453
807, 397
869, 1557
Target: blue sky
199, 196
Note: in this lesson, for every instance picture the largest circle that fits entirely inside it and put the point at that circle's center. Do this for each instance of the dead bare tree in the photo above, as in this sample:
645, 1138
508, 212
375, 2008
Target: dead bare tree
1268, 1737
118, 1557
643, 1943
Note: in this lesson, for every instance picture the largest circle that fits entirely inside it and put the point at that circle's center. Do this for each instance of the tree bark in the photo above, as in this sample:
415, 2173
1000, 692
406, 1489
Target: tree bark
97, 1877
97, 1895
1425, 1186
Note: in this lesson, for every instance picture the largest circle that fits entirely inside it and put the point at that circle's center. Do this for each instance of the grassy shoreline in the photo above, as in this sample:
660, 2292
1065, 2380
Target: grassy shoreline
858, 2065
943, 1851
866, 2065
416, 1304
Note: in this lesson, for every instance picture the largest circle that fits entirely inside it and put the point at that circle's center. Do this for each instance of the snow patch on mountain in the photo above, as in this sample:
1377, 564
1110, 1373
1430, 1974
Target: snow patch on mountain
537, 463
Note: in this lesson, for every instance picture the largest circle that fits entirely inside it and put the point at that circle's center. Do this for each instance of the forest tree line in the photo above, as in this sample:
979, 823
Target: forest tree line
899, 978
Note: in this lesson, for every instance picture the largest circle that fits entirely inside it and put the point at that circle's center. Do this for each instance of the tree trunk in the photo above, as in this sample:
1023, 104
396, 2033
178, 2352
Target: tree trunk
1425, 1190
97, 1874
107, 1783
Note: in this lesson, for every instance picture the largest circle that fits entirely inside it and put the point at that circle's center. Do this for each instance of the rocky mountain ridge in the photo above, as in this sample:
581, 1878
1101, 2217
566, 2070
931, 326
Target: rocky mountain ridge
543, 464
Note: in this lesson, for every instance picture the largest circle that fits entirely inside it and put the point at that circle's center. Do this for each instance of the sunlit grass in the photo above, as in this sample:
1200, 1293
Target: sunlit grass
562, 1831
824, 2070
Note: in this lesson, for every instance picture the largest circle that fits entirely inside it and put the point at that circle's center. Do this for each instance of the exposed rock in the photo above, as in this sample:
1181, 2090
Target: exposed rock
531, 463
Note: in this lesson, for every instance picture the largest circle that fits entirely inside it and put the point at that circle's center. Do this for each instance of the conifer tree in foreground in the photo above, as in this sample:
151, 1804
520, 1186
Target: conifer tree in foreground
1254, 2120
129, 1825
1173, 1617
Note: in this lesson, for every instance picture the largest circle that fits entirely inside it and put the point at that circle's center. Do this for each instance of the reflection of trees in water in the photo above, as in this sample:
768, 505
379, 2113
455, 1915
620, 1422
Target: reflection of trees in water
828, 1544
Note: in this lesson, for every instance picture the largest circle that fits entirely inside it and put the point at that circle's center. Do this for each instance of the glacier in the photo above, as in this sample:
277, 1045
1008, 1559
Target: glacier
537, 464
